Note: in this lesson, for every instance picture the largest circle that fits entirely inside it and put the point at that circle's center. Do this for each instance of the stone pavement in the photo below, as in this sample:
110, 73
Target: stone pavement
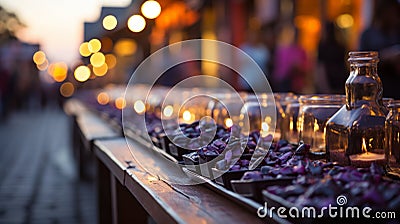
38, 178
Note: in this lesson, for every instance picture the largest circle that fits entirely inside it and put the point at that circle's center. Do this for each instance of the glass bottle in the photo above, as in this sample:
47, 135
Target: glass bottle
355, 134
392, 126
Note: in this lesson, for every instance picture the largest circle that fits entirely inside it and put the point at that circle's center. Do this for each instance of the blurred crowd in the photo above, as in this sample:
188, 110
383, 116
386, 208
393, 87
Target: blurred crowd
288, 67
21, 86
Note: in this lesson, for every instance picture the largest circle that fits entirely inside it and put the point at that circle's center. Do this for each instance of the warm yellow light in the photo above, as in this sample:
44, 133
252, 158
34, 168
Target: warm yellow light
125, 47
43, 66
268, 119
228, 122
103, 98
67, 89
110, 22
364, 146
136, 23
97, 59
168, 111
84, 49
316, 126
82, 73
139, 107
111, 60
345, 21
39, 57
94, 45
120, 103
187, 116
264, 126
59, 71
151, 9
50, 69
100, 71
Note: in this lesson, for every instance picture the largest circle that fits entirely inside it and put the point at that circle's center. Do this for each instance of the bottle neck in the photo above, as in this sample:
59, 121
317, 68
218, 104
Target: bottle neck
364, 86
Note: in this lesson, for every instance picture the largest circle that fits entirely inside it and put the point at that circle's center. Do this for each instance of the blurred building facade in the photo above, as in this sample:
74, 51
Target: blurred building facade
231, 21
19, 78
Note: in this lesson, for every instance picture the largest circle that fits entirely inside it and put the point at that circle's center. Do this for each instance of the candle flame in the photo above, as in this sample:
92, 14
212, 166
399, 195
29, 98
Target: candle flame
291, 125
316, 126
364, 146
186, 115
228, 122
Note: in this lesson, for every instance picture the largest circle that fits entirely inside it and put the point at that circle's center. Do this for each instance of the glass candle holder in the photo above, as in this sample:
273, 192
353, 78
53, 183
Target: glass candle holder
392, 130
289, 124
281, 101
314, 112
259, 114
226, 112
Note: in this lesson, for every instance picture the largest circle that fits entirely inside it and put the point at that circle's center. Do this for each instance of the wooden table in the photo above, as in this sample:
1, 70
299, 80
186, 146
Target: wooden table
165, 203
86, 128
127, 193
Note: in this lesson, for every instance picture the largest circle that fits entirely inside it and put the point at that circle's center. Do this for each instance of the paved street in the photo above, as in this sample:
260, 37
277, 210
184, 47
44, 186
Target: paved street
38, 180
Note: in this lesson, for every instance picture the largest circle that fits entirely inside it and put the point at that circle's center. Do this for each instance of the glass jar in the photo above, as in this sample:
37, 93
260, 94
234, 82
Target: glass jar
314, 112
281, 102
355, 134
258, 114
392, 126
289, 124
226, 112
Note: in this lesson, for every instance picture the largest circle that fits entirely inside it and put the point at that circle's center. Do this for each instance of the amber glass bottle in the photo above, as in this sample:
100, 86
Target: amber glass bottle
359, 126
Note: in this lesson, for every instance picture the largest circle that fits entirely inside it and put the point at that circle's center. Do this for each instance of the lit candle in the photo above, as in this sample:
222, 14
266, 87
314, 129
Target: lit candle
365, 159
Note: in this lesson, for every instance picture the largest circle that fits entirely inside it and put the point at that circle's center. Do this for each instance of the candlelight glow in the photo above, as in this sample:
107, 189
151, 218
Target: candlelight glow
39, 57
139, 107
228, 122
103, 98
125, 47
43, 66
264, 126
151, 9
136, 23
120, 103
168, 111
364, 146
100, 71
345, 21
82, 73
316, 126
110, 22
97, 59
94, 45
186, 115
59, 71
84, 49
67, 89
111, 60
291, 124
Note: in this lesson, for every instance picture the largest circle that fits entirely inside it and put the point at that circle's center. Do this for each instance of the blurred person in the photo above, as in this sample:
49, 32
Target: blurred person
256, 49
290, 63
384, 36
331, 72
4, 91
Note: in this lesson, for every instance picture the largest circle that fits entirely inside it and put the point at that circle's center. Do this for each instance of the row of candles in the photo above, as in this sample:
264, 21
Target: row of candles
286, 115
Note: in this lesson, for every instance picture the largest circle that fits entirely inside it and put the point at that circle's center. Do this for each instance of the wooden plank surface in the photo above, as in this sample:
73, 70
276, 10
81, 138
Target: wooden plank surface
73, 107
116, 158
93, 127
170, 203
